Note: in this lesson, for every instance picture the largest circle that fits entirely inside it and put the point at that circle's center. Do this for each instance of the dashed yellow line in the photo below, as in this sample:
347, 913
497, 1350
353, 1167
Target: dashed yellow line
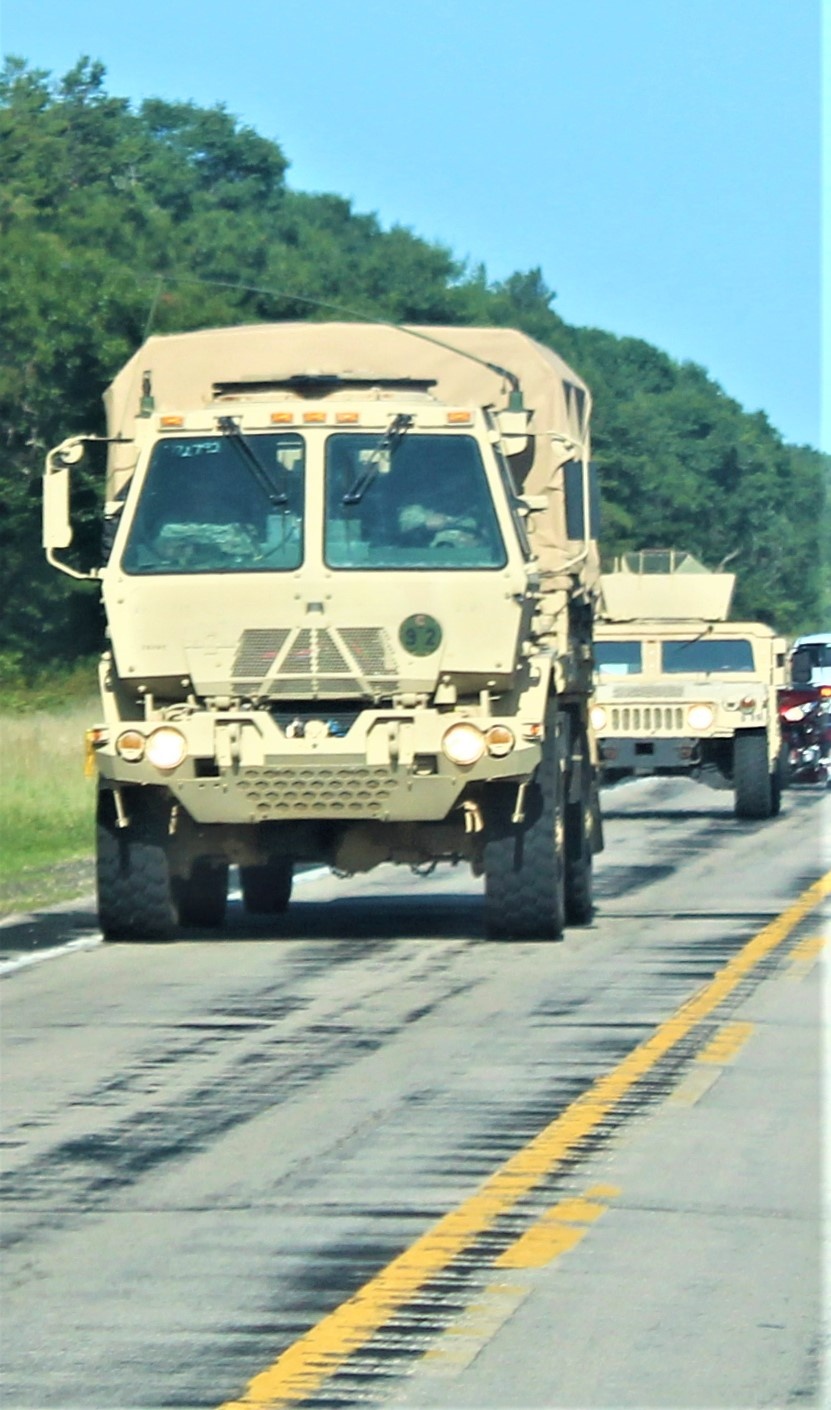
726, 1043
308, 1362
560, 1228
804, 956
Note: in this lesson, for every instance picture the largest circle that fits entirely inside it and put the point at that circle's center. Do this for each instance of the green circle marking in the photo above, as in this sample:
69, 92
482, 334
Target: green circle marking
420, 634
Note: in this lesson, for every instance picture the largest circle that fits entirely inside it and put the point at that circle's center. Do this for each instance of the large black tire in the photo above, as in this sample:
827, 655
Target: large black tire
524, 863
135, 890
579, 843
266, 890
203, 896
752, 785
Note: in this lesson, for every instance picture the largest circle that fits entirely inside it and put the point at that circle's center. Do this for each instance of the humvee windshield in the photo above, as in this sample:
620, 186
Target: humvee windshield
204, 508
423, 503
618, 658
706, 655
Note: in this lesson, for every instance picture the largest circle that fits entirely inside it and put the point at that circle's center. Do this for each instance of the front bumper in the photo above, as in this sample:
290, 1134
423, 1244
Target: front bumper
389, 766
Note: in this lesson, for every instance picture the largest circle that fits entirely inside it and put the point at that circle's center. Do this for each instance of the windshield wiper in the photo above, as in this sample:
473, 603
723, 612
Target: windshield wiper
706, 632
229, 427
391, 439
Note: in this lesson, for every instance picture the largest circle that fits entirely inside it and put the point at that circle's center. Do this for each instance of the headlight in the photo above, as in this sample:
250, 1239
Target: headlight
166, 748
500, 741
463, 744
700, 716
597, 715
130, 746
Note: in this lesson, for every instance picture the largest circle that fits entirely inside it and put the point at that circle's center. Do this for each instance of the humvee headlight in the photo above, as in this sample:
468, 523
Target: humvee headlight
700, 716
597, 715
463, 744
166, 748
500, 741
130, 746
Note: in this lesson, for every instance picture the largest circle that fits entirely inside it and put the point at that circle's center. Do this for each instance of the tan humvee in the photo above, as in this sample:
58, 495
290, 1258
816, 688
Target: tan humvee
349, 598
679, 689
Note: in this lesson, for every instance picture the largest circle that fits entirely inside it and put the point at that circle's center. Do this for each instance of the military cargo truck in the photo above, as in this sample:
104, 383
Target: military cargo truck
680, 689
349, 598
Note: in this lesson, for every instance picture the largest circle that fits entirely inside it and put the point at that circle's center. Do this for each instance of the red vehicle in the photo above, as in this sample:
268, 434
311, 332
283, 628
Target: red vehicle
805, 722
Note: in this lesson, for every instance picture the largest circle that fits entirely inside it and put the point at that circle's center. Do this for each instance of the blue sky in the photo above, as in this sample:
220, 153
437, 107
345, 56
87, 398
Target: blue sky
659, 159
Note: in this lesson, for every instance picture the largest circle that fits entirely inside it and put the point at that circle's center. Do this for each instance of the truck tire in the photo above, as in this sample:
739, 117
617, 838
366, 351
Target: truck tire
135, 888
266, 890
751, 775
524, 863
203, 897
579, 843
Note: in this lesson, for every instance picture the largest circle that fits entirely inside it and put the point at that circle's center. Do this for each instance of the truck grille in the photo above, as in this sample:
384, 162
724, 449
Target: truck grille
657, 718
317, 792
309, 662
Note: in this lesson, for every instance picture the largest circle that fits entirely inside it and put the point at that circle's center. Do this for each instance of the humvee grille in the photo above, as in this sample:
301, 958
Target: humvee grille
648, 717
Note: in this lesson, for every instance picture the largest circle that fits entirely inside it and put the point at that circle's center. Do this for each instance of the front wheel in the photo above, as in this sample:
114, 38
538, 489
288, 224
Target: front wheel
524, 862
752, 782
134, 884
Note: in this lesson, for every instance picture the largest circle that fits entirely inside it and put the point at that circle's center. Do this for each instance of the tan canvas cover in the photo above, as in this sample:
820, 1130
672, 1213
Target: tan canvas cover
184, 367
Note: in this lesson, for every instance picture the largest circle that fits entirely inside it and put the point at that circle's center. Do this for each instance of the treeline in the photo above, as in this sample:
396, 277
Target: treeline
115, 221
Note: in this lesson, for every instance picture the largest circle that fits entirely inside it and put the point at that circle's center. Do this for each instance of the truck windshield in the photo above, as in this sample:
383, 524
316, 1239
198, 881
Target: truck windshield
202, 510
427, 504
618, 658
706, 655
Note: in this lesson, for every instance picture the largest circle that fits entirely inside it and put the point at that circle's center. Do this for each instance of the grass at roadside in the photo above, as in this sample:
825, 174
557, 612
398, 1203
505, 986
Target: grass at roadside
46, 804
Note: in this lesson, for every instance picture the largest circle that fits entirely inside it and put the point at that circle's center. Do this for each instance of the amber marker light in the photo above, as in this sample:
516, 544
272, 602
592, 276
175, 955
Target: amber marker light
282, 418
459, 418
347, 418
171, 423
500, 741
130, 746
315, 418
748, 702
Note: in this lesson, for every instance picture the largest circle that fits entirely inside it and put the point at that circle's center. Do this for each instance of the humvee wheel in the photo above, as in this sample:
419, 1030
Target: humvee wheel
579, 845
203, 896
752, 782
266, 890
524, 863
135, 889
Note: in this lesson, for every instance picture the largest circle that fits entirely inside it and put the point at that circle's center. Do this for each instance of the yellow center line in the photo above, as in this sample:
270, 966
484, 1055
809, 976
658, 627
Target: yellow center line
309, 1361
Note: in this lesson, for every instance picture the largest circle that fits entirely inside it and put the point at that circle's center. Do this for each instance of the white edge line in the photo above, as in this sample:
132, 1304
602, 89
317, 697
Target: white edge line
86, 942
91, 941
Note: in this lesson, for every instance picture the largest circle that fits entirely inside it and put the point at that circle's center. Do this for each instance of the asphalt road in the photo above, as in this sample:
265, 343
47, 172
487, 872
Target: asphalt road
364, 1156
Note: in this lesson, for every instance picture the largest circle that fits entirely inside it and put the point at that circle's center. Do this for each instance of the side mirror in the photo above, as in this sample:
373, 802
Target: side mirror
57, 525
57, 529
513, 431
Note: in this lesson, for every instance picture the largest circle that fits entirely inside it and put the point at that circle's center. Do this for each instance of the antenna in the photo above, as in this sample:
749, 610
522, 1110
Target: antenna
515, 398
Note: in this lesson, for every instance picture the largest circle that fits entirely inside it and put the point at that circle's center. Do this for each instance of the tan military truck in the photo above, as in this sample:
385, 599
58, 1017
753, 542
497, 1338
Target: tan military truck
680, 689
349, 601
